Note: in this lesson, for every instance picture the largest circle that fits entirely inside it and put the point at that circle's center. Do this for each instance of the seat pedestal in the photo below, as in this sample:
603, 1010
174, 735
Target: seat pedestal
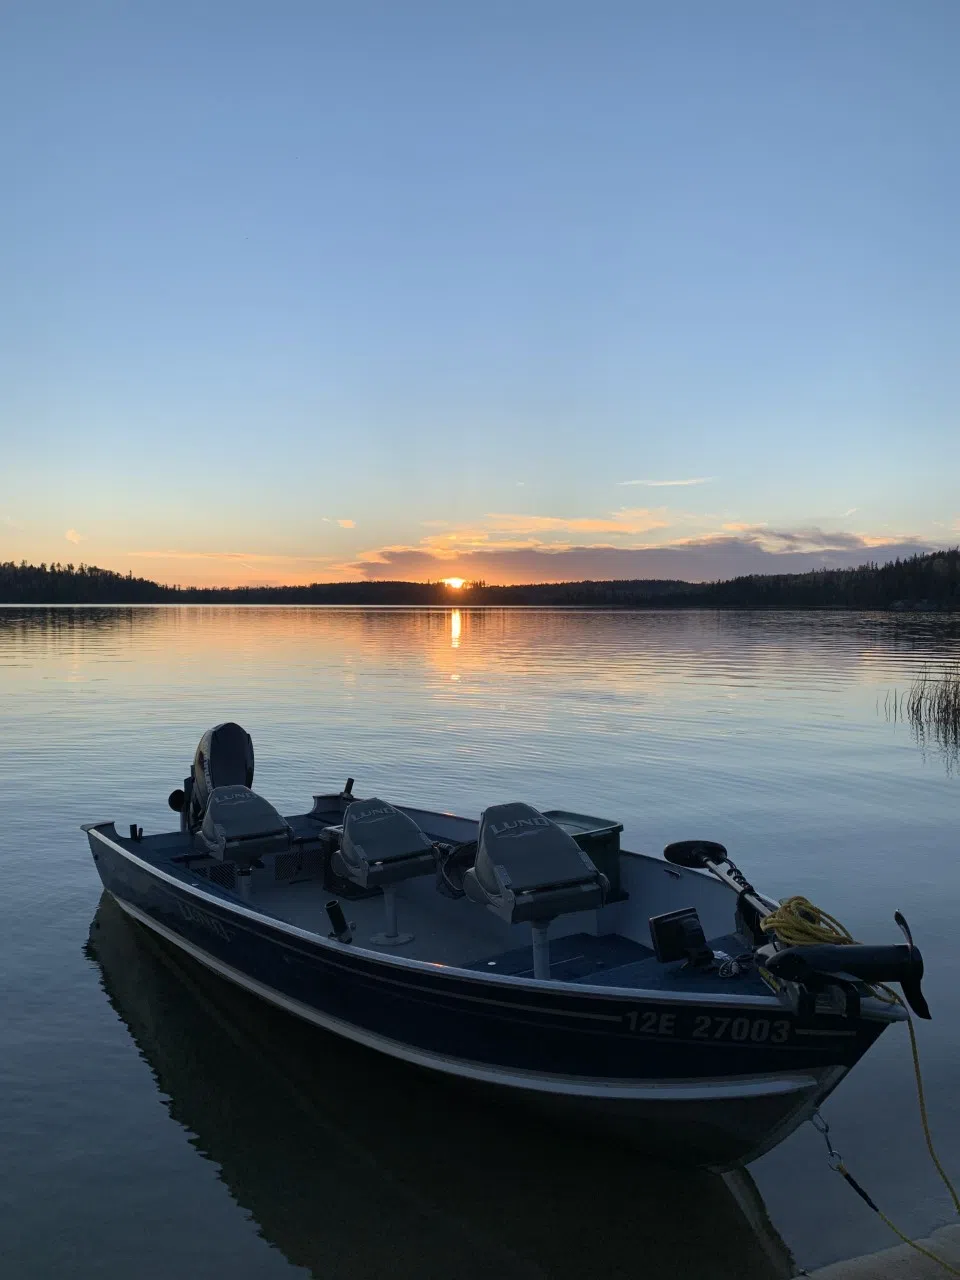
541, 949
390, 937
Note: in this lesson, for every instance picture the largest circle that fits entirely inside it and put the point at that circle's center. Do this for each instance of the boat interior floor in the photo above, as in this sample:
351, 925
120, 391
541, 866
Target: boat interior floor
609, 960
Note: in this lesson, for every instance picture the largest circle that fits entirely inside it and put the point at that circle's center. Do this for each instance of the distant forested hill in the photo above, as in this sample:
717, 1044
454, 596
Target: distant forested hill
920, 582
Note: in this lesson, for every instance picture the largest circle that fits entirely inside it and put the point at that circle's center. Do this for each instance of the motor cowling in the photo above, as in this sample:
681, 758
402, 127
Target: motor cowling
224, 758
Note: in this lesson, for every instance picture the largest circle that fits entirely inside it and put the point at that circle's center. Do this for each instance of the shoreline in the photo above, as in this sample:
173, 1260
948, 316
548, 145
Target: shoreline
900, 1262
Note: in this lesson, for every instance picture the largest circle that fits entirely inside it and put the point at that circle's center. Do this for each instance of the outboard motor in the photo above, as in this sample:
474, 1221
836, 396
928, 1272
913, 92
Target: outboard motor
224, 758
227, 820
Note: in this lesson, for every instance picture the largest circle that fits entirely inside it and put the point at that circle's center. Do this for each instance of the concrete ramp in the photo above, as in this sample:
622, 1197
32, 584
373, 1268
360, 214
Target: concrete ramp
901, 1262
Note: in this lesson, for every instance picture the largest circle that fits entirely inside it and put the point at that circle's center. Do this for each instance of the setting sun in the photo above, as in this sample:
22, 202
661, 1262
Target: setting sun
455, 583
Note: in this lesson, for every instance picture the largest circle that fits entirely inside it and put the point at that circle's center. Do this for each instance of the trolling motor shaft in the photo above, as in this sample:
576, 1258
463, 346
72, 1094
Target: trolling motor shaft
708, 855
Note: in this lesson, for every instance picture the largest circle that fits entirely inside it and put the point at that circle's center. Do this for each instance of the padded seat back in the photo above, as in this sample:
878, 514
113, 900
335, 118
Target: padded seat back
381, 845
528, 868
239, 826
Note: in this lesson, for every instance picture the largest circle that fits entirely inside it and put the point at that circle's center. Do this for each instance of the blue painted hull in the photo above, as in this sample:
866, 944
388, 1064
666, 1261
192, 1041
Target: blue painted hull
715, 1082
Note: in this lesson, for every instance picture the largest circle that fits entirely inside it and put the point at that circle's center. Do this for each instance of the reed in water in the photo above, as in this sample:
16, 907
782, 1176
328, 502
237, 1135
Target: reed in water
932, 707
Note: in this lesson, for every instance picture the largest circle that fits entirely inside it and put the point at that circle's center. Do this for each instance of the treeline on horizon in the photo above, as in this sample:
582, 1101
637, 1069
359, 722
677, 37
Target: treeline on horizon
926, 582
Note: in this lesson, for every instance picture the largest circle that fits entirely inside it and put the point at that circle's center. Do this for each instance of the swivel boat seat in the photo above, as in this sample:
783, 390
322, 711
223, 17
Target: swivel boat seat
227, 819
529, 869
380, 847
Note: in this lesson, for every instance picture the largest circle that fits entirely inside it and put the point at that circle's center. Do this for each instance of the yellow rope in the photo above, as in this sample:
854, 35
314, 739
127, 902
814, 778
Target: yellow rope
798, 923
923, 1116
913, 1244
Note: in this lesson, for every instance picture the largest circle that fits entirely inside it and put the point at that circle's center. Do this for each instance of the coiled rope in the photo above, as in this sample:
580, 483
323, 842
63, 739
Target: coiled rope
797, 922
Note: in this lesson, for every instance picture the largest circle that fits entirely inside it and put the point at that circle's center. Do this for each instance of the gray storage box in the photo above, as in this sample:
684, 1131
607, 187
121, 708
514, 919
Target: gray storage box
599, 838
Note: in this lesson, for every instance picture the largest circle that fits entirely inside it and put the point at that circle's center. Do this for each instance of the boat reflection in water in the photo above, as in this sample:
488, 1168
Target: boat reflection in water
355, 1165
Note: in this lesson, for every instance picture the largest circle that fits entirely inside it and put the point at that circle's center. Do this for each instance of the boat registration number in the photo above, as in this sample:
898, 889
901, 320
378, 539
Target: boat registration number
709, 1026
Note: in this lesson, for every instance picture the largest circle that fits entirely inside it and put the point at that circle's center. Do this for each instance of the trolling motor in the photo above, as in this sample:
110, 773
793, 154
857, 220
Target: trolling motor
708, 855
820, 965
815, 965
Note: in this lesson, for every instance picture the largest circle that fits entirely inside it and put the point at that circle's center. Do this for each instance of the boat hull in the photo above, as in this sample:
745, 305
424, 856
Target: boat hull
704, 1080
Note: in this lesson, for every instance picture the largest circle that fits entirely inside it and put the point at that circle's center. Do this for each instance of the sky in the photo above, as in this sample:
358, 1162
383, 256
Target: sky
521, 290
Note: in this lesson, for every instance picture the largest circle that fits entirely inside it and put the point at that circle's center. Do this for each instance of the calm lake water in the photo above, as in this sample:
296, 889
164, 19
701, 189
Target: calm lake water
158, 1124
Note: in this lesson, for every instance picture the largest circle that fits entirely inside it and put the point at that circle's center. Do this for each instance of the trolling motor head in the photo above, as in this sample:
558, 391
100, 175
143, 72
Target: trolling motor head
695, 853
708, 855
816, 965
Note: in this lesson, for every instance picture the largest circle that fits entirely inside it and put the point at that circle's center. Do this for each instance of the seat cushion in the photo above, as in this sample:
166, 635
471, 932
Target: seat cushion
380, 844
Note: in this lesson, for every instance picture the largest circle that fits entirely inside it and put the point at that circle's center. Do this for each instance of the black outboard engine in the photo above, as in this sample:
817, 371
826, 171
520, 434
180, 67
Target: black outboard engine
224, 758
227, 820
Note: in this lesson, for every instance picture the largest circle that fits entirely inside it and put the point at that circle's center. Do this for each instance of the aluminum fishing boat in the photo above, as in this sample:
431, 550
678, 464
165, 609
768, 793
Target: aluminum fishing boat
525, 952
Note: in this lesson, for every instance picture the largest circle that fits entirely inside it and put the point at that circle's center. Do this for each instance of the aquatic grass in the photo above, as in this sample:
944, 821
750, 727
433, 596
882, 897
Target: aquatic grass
934, 702
931, 706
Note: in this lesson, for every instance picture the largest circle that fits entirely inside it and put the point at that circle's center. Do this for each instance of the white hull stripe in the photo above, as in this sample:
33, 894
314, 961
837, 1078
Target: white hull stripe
652, 1090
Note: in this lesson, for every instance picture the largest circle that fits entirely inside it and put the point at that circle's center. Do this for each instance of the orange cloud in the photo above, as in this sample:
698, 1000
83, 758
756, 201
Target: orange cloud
347, 524
705, 559
224, 555
634, 520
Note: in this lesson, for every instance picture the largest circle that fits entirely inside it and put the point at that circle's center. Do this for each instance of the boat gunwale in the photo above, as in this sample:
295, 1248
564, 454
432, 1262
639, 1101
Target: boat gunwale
438, 969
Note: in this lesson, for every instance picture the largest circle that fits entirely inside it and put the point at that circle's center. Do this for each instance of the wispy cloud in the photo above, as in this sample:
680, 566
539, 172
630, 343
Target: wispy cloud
242, 556
228, 568
670, 484
347, 524
849, 512
633, 520
72, 536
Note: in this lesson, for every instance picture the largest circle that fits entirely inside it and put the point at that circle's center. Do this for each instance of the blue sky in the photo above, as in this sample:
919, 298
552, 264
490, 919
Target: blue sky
307, 291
